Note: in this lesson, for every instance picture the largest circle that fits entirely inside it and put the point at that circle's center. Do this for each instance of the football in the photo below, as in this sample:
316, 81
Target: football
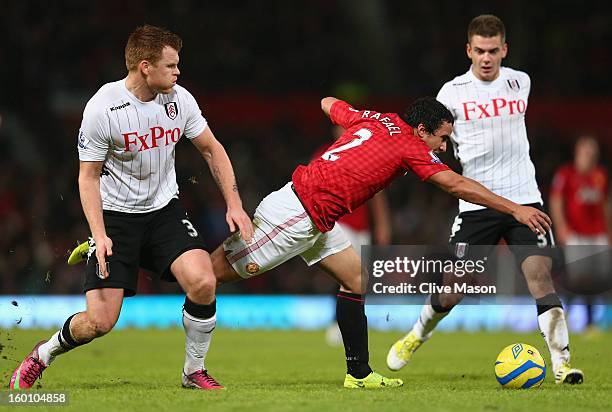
520, 366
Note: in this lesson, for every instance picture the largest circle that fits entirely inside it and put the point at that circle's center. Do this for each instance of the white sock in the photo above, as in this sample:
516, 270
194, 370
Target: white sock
50, 349
198, 333
427, 321
554, 331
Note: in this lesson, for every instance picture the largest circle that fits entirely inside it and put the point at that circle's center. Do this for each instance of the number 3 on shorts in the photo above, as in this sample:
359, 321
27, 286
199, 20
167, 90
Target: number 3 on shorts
191, 231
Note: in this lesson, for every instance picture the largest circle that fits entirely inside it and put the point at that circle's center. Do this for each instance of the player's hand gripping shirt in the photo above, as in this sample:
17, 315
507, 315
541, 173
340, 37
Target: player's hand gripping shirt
375, 149
136, 141
489, 134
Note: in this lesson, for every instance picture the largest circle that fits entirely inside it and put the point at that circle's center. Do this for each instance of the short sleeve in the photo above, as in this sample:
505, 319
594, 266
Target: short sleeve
423, 161
94, 135
343, 114
196, 123
444, 96
528, 82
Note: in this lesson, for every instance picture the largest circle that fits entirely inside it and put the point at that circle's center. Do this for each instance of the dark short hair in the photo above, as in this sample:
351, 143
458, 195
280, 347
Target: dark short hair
147, 43
427, 111
486, 25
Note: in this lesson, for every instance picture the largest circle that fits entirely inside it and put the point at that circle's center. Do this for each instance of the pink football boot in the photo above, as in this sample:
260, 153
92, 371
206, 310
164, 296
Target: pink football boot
200, 380
31, 369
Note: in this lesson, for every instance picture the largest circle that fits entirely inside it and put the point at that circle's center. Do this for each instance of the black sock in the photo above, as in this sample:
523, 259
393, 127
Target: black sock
353, 324
437, 306
548, 302
200, 311
66, 341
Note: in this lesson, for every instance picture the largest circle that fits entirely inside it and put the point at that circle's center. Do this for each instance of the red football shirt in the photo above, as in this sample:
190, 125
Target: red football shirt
584, 198
375, 149
358, 219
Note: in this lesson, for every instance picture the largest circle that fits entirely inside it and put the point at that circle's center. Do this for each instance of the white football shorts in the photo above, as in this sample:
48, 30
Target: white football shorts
283, 230
357, 238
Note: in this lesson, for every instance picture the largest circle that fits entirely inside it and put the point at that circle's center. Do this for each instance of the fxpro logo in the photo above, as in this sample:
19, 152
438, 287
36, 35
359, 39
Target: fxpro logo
157, 136
495, 108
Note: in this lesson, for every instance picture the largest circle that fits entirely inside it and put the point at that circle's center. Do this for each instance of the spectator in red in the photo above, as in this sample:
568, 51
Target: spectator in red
580, 209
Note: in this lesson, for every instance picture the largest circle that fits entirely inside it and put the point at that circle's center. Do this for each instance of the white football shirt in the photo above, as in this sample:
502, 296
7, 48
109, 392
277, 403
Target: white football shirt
489, 135
136, 141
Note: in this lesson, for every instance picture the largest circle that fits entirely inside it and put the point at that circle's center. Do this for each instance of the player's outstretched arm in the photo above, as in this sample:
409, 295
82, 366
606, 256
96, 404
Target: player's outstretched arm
327, 103
89, 190
221, 168
473, 192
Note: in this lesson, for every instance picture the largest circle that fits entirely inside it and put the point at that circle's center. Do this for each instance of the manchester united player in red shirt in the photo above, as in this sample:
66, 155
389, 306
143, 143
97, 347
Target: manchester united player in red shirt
580, 208
579, 202
369, 223
299, 219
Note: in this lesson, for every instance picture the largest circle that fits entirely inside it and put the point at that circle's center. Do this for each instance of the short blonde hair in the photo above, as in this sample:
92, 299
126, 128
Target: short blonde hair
147, 43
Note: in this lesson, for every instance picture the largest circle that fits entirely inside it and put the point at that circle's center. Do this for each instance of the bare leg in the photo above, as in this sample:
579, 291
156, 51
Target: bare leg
193, 270
103, 309
224, 272
345, 268
536, 270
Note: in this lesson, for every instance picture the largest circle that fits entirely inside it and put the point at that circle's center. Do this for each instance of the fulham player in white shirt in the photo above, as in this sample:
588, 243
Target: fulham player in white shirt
490, 140
128, 190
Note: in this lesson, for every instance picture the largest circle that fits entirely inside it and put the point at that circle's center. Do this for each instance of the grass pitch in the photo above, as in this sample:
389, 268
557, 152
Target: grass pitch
139, 370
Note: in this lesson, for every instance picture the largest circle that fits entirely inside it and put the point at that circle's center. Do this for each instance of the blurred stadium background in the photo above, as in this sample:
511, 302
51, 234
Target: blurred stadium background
258, 72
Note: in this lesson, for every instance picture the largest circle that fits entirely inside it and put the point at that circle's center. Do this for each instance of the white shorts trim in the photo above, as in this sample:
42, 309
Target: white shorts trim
283, 230
587, 240
357, 238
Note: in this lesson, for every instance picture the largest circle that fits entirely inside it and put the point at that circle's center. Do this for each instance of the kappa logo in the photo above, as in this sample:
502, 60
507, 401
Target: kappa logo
121, 106
171, 110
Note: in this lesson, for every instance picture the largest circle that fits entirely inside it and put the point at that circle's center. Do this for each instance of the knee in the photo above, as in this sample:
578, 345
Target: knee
100, 326
537, 268
353, 285
206, 283
539, 272
203, 284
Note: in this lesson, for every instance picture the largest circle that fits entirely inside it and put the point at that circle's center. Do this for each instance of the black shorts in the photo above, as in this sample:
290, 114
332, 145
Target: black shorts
151, 241
486, 227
